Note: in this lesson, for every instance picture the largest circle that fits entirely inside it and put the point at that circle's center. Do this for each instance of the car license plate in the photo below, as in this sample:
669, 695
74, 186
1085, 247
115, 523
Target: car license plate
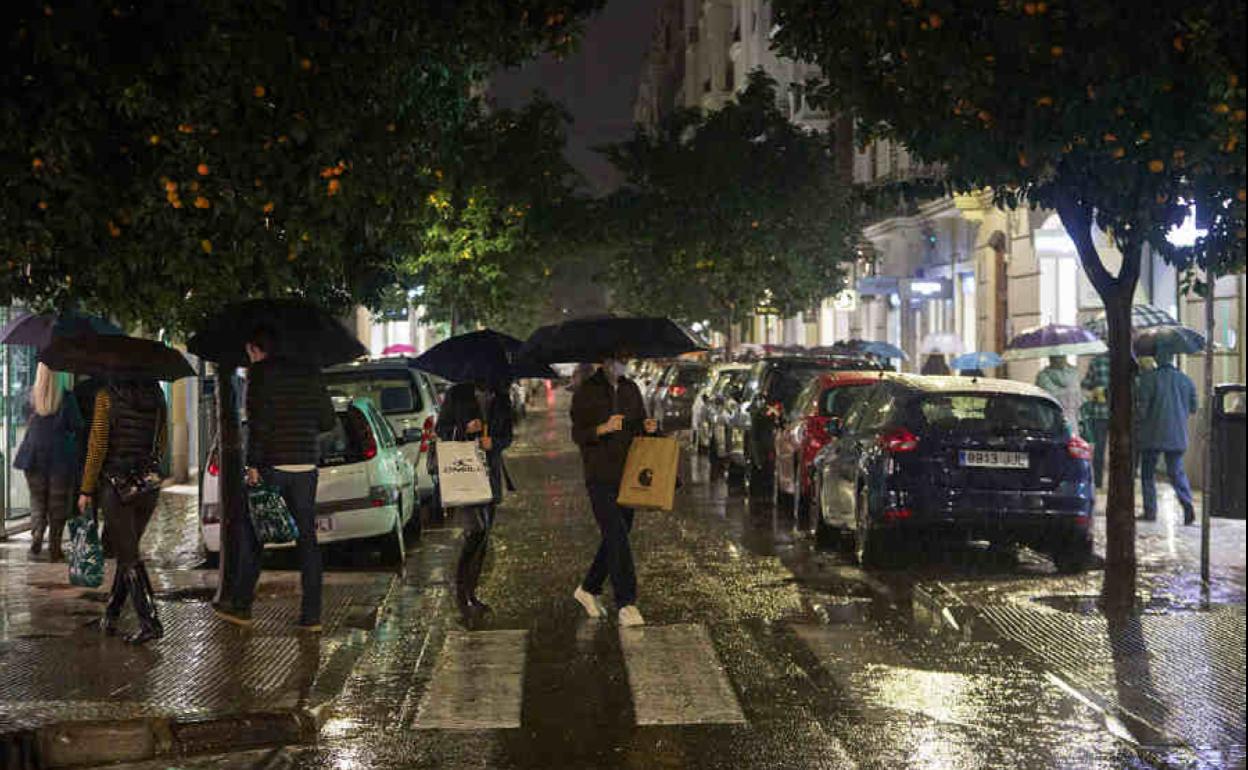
978, 458
324, 523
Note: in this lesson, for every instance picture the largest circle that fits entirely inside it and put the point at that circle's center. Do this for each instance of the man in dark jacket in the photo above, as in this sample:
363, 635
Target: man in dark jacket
288, 408
607, 412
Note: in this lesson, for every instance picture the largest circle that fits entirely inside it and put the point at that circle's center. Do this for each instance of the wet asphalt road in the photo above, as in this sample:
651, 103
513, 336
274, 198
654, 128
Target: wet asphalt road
761, 652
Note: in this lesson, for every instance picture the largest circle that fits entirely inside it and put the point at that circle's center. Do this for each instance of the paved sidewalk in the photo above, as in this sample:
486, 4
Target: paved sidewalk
71, 696
1169, 677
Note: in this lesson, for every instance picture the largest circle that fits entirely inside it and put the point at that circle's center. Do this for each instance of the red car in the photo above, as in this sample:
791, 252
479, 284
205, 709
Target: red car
805, 430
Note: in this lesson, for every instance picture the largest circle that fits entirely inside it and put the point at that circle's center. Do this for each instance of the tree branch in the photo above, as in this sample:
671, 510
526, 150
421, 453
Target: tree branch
1077, 219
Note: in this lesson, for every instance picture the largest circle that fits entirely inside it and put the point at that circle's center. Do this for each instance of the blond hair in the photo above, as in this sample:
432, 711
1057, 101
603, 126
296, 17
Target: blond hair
49, 387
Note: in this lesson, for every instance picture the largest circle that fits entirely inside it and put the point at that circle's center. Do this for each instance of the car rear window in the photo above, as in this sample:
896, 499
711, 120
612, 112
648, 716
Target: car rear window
835, 402
384, 389
990, 414
345, 443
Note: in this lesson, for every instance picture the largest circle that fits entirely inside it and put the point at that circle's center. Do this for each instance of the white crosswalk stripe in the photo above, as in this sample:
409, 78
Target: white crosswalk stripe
676, 677
478, 683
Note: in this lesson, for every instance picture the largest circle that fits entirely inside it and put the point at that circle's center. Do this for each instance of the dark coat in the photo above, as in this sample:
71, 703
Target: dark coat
460, 407
288, 408
592, 404
51, 444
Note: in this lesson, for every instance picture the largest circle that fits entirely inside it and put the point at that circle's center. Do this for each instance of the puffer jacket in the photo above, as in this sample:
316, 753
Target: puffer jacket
288, 408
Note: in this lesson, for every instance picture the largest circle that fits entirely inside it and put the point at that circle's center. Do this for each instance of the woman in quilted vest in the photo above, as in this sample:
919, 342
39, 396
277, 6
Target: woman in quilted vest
127, 435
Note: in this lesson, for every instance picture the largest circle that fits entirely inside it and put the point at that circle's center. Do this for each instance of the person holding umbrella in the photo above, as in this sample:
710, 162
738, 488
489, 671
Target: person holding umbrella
607, 412
1165, 399
288, 407
128, 423
477, 412
49, 457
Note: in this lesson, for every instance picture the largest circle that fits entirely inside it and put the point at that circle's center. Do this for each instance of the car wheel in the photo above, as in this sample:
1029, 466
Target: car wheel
1072, 557
868, 548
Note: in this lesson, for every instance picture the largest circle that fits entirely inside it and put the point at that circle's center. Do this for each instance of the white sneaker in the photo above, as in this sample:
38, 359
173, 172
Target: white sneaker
593, 608
631, 616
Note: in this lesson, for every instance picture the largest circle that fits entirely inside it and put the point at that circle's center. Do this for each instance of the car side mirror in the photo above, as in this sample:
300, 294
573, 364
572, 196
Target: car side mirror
410, 435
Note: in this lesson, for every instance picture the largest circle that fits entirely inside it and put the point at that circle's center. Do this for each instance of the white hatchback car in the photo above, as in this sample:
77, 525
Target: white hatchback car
364, 490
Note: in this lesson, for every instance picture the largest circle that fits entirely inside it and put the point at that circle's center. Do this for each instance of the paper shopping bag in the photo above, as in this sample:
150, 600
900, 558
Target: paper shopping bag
650, 473
462, 475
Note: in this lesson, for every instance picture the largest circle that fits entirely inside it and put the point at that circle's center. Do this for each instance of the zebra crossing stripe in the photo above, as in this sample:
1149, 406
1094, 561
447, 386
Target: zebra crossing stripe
478, 683
676, 677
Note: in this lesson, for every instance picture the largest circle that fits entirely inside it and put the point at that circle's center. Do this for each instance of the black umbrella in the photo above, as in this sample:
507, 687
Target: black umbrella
39, 329
598, 337
302, 332
115, 356
481, 356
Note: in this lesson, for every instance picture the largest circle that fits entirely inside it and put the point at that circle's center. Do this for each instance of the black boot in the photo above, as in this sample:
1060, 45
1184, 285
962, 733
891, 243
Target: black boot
116, 603
144, 602
1189, 514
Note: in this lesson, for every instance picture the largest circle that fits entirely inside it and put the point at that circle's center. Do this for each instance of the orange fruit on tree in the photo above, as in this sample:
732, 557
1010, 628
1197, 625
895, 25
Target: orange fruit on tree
201, 202
259, 91
1156, 166
206, 245
202, 169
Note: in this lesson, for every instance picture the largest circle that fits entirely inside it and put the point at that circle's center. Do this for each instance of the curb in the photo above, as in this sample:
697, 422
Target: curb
939, 610
99, 742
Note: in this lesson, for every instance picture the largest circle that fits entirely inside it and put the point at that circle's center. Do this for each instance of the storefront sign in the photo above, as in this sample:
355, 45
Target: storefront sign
878, 285
930, 288
846, 300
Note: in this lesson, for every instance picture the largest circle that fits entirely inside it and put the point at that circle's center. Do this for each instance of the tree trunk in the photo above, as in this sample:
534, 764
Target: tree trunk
230, 453
1117, 293
1118, 590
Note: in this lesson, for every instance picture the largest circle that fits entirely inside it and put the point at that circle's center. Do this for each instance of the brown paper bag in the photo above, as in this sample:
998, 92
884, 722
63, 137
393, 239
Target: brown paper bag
650, 473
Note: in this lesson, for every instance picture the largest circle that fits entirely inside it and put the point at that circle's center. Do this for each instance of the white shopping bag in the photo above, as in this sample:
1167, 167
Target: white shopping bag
462, 474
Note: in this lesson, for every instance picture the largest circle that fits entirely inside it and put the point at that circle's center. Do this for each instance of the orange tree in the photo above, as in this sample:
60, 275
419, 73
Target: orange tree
727, 212
1116, 115
164, 157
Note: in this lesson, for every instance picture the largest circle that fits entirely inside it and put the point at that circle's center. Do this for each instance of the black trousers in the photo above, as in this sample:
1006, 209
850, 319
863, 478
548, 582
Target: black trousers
126, 523
477, 522
299, 492
615, 555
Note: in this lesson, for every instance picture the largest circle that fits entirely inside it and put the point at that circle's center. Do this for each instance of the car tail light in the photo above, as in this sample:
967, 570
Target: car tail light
1083, 520
378, 497
1078, 448
676, 391
897, 514
426, 434
899, 441
370, 444
214, 466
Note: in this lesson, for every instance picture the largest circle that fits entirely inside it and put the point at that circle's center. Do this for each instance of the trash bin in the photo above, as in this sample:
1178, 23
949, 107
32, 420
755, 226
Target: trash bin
1230, 483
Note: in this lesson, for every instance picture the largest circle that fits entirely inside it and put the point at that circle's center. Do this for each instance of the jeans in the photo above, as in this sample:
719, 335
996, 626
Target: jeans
615, 555
1100, 441
1178, 479
299, 492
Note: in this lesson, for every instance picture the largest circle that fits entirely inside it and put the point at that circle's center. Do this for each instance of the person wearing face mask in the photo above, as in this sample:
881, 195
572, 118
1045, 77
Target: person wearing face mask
477, 412
607, 412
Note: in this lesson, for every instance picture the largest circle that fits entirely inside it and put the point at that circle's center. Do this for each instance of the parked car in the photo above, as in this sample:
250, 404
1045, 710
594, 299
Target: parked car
921, 457
816, 414
674, 398
648, 379
364, 487
409, 399
704, 407
773, 388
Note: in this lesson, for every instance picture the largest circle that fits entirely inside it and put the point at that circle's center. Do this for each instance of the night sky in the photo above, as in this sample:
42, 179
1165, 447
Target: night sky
597, 85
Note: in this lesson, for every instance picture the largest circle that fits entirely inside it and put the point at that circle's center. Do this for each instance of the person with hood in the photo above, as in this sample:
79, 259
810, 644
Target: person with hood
607, 412
477, 412
128, 421
1165, 399
49, 458
1061, 381
288, 408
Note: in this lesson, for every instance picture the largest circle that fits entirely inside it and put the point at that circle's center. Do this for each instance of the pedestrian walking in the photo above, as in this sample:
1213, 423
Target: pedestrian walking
288, 407
477, 413
1061, 381
128, 428
1165, 399
49, 458
935, 364
607, 412
1094, 413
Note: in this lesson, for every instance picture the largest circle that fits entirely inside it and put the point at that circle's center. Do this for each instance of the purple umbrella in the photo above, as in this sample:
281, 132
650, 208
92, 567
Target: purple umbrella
1053, 340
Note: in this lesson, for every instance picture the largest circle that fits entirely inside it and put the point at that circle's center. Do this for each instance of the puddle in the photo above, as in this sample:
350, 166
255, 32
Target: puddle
1156, 605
